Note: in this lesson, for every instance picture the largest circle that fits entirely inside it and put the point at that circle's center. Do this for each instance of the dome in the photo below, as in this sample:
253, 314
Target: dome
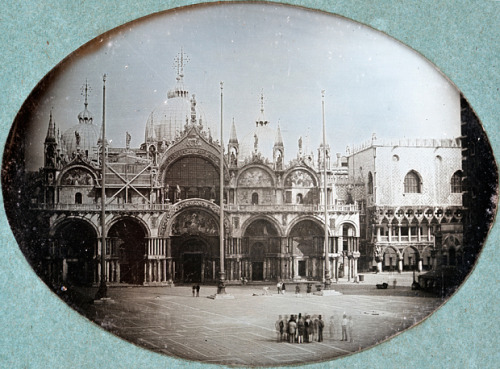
87, 134
169, 118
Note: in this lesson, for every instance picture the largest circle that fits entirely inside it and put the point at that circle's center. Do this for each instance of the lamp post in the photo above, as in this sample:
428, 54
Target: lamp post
221, 285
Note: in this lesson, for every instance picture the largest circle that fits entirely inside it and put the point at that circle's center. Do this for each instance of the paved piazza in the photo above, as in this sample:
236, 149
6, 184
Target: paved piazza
241, 331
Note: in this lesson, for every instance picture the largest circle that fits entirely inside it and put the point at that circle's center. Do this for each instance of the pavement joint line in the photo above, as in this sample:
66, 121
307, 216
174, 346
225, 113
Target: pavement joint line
223, 316
190, 348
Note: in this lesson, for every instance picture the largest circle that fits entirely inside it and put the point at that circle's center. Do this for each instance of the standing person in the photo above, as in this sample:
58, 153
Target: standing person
308, 324
194, 290
279, 329
292, 326
283, 288
285, 328
331, 327
315, 327
321, 325
297, 289
300, 330
197, 290
344, 328
349, 328
278, 285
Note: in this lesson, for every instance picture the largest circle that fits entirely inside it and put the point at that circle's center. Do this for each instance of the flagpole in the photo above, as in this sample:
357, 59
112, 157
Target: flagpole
327, 257
221, 287
103, 289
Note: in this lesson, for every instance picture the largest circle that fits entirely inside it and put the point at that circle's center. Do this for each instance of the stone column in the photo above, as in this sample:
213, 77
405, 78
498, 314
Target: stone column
170, 270
399, 232
164, 274
419, 233
420, 265
295, 268
378, 233
64, 270
389, 229
400, 265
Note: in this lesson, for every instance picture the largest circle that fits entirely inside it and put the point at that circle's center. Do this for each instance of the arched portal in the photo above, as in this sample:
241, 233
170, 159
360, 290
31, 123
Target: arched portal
410, 259
263, 241
195, 246
307, 239
390, 259
75, 246
127, 246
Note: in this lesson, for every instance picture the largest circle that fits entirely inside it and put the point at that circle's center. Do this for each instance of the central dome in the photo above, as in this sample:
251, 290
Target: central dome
168, 119
83, 136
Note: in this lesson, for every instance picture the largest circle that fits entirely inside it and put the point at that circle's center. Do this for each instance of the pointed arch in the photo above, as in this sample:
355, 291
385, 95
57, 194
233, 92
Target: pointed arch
413, 182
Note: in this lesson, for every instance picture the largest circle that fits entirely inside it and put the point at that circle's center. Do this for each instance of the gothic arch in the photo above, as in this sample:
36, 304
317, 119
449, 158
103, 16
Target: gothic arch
255, 218
255, 168
313, 219
338, 229
133, 218
62, 220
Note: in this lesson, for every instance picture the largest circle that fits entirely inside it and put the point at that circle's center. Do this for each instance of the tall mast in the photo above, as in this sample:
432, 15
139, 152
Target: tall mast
102, 292
221, 289
325, 197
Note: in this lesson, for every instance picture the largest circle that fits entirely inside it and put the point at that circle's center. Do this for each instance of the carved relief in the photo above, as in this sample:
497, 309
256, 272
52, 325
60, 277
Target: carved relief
77, 177
255, 177
194, 222
299, 178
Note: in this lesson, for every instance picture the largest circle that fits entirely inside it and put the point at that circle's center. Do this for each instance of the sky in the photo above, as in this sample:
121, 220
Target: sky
372, 83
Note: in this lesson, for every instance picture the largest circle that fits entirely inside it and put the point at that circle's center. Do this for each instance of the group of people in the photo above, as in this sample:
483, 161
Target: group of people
306, 328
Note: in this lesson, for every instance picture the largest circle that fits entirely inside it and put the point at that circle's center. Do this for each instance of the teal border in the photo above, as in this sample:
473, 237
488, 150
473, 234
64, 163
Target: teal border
460, 37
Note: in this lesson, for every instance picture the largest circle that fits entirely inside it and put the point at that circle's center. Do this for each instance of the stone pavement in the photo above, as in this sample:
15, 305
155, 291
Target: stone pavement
242, 331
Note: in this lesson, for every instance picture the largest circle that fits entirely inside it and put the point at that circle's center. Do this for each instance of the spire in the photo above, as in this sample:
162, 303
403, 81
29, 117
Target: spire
232, 136
51, 131
179, 90
278, 141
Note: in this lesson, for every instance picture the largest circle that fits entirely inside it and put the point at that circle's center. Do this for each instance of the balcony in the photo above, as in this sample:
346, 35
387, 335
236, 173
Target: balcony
297, 208
395, 239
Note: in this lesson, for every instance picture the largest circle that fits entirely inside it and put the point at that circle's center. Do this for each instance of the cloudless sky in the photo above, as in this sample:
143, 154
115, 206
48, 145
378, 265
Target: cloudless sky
372, 83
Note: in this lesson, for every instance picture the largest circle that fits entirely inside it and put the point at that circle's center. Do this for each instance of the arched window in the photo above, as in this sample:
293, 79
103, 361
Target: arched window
412, 183
370, 183
255, 198
78, 198
456, 182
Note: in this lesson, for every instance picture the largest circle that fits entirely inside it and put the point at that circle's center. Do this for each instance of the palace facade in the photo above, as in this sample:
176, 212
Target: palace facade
383, 203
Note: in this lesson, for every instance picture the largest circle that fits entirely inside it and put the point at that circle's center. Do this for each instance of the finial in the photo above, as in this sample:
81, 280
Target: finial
262, 102
323, 94
85, 92
179, 62
221, 85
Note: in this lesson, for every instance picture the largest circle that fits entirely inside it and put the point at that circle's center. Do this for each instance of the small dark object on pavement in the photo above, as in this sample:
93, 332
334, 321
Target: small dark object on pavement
382, 286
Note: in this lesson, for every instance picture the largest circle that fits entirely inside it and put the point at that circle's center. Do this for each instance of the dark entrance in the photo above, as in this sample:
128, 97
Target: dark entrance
257, 271
302, 268
75, 247
128, 245
192, 266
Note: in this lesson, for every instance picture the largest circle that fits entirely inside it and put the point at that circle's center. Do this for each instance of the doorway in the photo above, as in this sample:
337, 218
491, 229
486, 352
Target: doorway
192, 266
257, 271
302, 268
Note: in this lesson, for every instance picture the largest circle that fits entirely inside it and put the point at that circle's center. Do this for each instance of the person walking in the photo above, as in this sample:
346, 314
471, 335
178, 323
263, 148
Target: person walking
278, 285
344, 328
321, 325
197, 290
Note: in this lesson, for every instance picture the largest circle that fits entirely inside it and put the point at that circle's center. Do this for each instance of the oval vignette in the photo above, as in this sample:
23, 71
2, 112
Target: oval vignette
407, 215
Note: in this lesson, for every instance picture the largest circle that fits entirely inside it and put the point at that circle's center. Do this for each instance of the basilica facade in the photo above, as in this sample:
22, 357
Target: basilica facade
162, 212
